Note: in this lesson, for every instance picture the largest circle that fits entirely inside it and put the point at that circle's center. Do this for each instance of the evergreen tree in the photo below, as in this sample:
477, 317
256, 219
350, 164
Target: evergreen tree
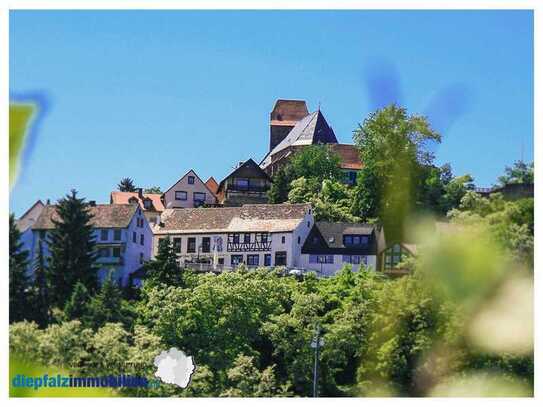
19, 281
106, 306
126, 185
280, 187
164, 269
72, 250
77, 306
41, 291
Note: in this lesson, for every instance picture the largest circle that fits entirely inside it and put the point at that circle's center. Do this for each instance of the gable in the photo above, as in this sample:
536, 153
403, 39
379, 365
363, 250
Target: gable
198, 183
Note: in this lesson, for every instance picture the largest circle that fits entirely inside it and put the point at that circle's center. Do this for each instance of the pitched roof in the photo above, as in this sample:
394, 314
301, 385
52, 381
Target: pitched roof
118, 197
24, 222
349, 154
212, 185
312, 129
246, 218
327, 238
104, 216
288, 112
186, 175
244, 170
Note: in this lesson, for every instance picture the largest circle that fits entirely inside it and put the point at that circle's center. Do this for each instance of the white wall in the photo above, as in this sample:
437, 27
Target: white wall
183, 185
330, 269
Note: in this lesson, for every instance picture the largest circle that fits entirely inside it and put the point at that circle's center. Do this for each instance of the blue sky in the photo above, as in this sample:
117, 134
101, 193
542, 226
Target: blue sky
151, 94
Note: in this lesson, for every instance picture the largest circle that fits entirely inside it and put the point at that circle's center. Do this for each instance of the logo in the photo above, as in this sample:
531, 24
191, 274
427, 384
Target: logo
174, 367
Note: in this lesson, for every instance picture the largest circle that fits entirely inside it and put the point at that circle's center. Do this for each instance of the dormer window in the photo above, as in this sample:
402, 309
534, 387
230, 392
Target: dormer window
147, 203
355, 240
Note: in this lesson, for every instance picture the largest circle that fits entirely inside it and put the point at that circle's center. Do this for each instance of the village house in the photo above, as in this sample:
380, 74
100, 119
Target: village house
330, 245
292, 128
189, 192
121, 231
223, 238
26, 221
247, 184
151, 204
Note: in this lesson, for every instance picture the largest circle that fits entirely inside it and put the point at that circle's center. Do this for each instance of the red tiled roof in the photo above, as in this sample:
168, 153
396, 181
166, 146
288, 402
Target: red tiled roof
350, 157
212, 185
118, 197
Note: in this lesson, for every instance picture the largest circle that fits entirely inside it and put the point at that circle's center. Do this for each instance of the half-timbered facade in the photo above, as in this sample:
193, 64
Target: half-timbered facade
223, 238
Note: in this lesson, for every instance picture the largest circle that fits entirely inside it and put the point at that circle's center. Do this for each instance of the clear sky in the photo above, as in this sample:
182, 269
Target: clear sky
151, 94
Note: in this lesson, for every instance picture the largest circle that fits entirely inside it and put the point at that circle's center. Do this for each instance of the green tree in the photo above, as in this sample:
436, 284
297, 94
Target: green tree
280, 187
164, 269
20, 303
107, 305
72, 248
77, 307
392, 148
152, 190
519, 173
126, 185
41, 289
315, 163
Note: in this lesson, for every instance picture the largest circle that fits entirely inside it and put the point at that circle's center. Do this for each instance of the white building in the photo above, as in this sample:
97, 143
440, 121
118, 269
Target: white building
331, 245
122, 234
217, 238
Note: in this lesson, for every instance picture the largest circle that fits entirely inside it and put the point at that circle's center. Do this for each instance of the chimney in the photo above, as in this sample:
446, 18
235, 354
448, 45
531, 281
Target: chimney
140, 192
48, 202
92, 203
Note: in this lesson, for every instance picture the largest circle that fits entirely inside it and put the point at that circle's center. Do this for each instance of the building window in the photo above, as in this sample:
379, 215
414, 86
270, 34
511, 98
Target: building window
177, 244
395, 255
141, 258
152, 219
299, 239
134, 237
352, 259
160, 239
280, 258
191, 245
236, 259
116, 252
283, 239
235, 238
117, 234
206, 244
241, 183
199, 196
267, 259
104, 234
315, 239
263, 237
221, 261
247, 238
180, 195
191, 179
103, 252
141, 239
252, 259
355, 240
146, 203
321, 259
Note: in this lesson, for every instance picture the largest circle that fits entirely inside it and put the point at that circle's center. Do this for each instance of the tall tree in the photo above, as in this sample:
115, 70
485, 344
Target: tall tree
106, 306
41, 290
19, 281
72, 248
77, 306
280, 187
127, 185
164, 269
393, 149
519, 173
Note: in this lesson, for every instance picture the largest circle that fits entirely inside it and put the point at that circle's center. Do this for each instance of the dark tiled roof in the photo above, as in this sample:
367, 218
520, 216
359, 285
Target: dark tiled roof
312, 129
247, 169
104, 216
327, 238
278, 217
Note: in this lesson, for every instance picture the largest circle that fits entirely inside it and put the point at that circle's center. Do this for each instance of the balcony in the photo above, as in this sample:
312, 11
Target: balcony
248, 247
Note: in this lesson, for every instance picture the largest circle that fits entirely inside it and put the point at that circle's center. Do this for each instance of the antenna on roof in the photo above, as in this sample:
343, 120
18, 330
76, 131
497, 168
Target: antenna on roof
319, 106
